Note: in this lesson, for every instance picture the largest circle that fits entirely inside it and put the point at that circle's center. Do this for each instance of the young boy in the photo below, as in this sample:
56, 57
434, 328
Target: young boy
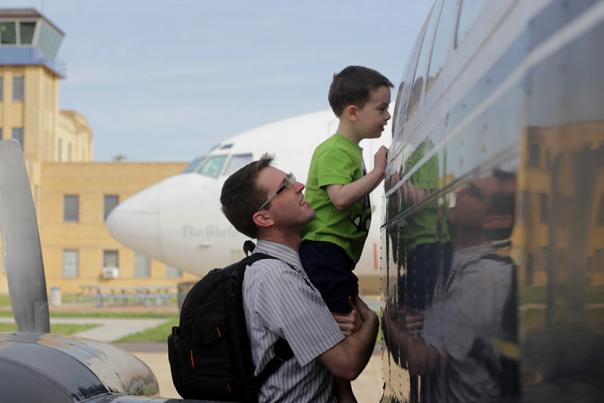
338, 189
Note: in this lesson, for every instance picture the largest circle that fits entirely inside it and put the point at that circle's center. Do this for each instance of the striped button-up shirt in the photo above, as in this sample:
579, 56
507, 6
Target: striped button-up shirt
466, 312
279, 301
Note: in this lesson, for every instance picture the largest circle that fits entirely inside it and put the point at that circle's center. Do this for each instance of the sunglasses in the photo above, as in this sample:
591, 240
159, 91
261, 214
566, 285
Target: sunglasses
288, 183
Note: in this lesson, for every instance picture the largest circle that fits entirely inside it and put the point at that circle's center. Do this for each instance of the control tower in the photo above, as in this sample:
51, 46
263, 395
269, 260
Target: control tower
29, 93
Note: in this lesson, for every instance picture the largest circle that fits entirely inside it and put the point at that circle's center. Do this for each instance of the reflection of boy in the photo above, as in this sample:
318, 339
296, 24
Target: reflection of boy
338, 190
426, 236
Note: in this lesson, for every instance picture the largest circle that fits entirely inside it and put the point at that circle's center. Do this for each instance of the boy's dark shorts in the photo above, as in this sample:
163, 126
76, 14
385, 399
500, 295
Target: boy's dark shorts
330, 270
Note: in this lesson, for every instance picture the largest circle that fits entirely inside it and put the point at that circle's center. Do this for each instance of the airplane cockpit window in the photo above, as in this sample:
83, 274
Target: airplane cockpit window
469, 12
442, 42
193, 165
212, 166
226, 146
237, 161
422, 64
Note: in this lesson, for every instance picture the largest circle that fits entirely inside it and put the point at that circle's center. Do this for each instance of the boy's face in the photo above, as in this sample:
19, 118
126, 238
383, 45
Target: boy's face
373, 116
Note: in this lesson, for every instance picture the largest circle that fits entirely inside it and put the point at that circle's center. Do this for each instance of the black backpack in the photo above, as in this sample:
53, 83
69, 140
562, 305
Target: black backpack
209, 352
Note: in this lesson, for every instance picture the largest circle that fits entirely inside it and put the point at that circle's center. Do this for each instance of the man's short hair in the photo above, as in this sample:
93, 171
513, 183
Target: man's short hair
241, 196
352, 86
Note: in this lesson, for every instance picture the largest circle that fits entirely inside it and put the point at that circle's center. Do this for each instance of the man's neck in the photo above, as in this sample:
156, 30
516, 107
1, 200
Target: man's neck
288, 239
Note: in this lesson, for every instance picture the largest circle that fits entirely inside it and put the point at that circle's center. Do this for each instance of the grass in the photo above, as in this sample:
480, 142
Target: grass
158, 334
56, 328
100, 315
4, 300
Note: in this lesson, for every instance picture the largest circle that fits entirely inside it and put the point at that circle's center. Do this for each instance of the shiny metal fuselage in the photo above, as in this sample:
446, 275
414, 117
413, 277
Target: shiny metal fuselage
492, 243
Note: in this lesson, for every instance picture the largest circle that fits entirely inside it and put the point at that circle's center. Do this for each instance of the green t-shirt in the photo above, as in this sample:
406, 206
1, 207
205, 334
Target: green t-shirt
337, 161
424, 227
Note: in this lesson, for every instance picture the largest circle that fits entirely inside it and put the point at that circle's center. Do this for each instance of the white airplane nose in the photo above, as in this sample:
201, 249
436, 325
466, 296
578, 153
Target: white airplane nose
135, 222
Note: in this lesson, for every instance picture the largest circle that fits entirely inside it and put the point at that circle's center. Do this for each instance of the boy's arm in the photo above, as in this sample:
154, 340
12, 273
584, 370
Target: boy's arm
344, 196
348, 358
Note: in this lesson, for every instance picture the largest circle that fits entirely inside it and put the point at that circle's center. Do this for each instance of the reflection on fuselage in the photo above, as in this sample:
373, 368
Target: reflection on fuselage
493, 242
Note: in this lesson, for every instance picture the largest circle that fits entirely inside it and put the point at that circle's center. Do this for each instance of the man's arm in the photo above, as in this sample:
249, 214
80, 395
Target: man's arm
348, 358
420, 357
344, 196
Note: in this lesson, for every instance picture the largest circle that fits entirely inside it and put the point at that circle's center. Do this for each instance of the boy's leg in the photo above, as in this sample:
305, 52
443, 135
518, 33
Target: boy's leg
330, 270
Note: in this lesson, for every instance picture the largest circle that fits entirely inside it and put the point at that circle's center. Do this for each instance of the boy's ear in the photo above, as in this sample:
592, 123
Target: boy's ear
262, 220
351, 112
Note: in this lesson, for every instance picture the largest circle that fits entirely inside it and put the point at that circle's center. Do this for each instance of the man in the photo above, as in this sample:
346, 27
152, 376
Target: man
279, 300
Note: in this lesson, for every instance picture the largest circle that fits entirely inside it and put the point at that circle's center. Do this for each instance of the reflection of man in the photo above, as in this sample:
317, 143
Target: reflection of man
457, 349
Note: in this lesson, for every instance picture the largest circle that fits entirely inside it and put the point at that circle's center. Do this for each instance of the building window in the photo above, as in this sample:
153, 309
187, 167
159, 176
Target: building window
18, 135
142, 266
71, 263
26, 30
601, 211
171, 272
529, 268
109, 203
8, 33
543, 208
71, 208
69, 152
111, 258
599, 260
1, 88
534, 155
18, 88
60, 150
1, 133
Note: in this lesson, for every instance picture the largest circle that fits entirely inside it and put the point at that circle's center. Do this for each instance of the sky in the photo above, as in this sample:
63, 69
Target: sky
167, 80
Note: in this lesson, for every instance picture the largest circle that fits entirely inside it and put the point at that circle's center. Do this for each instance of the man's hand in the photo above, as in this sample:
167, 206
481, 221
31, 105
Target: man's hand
414, 321
362, 308
349, 323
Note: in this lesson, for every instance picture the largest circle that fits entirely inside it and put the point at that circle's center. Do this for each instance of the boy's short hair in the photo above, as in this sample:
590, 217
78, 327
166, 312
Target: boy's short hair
241, 196
352, 86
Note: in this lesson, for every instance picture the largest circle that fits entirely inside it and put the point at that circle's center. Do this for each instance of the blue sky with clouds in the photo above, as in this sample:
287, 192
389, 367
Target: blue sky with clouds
167, 80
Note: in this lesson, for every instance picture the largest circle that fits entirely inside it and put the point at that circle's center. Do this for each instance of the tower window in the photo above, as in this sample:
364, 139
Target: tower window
18, 88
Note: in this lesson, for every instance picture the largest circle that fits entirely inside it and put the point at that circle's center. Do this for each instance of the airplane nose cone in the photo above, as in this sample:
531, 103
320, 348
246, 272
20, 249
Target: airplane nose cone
135, 222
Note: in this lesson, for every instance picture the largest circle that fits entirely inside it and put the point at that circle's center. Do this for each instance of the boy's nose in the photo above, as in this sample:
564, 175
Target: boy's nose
299, 187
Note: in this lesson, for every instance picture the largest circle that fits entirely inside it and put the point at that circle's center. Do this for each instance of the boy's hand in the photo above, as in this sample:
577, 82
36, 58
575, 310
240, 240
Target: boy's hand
349, 323
379, 160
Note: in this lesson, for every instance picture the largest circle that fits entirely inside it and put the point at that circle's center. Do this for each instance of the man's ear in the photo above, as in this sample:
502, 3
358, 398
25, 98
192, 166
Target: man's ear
262, 219
351, 112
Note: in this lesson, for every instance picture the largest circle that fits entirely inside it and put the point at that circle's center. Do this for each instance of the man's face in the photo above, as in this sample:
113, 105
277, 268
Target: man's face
374, 115
288, 209
471, 204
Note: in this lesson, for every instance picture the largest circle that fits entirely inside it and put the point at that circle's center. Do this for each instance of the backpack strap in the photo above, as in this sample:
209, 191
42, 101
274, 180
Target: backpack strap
283, 352
281, 348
